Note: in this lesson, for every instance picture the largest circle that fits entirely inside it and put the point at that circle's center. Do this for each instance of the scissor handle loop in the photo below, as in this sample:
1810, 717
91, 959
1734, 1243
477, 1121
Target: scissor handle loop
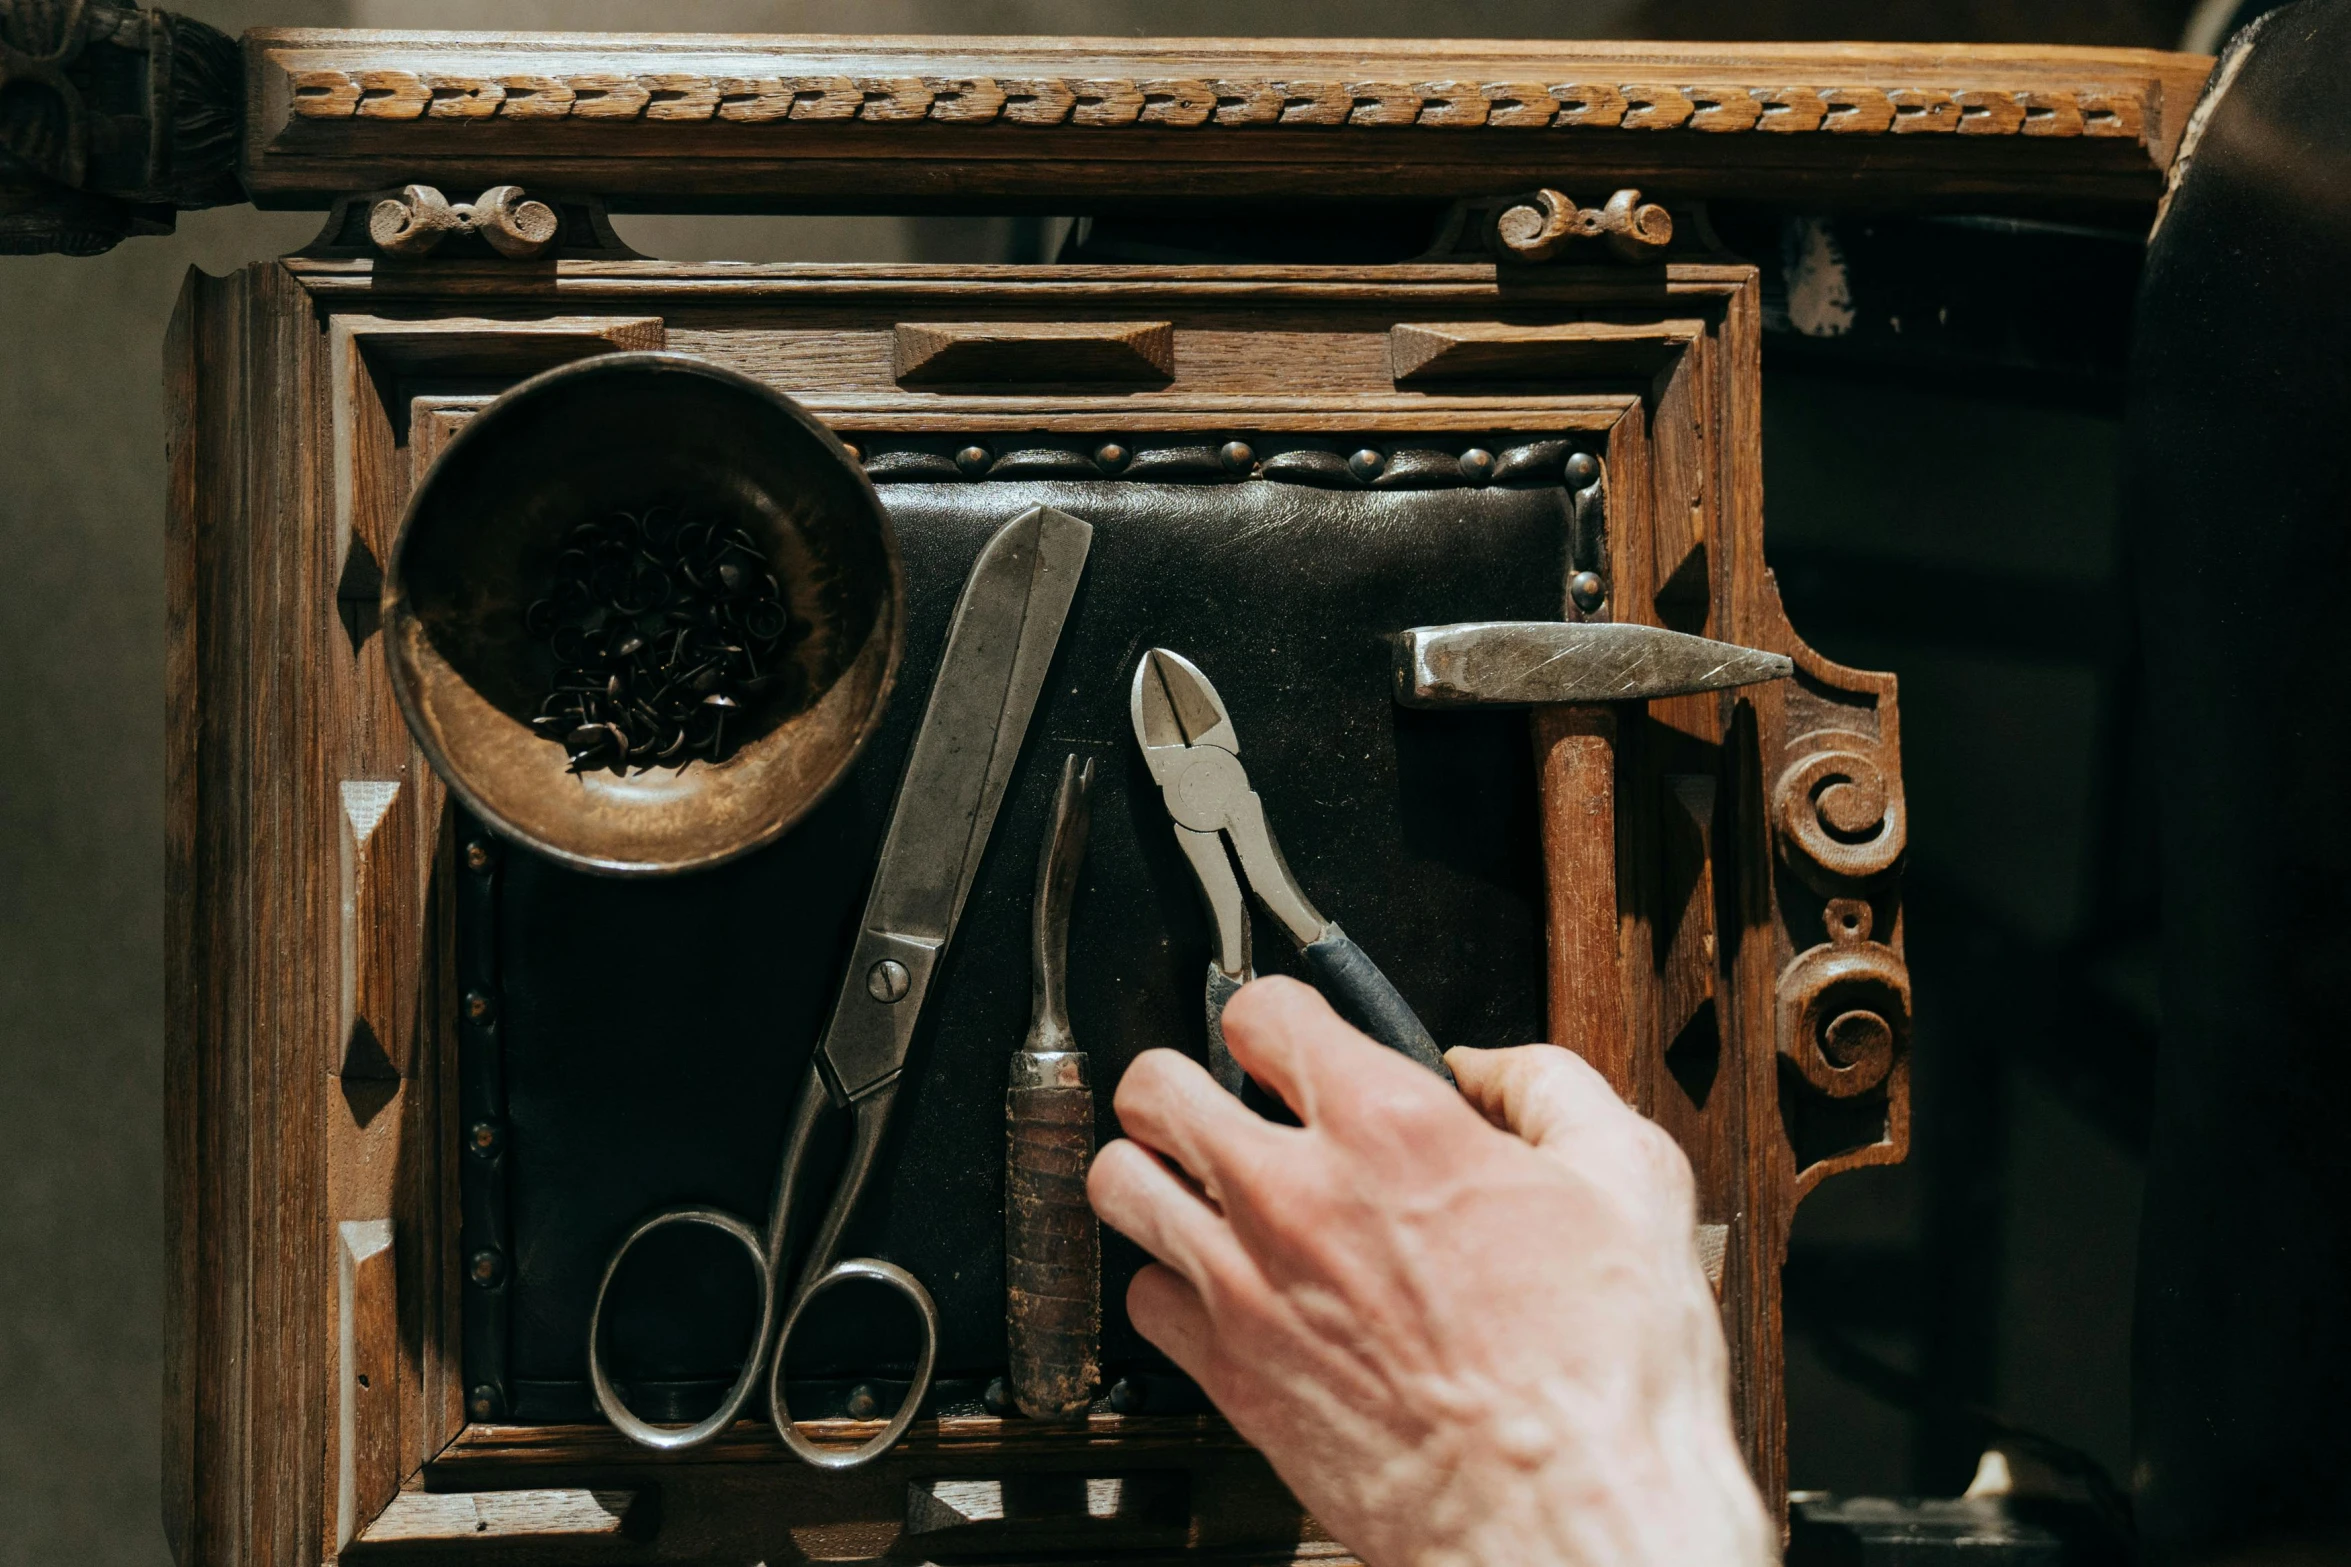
677, 1438
906, 1284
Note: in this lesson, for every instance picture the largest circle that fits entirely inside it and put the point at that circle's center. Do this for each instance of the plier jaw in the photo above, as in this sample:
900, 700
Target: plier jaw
1189, 743
1193, 752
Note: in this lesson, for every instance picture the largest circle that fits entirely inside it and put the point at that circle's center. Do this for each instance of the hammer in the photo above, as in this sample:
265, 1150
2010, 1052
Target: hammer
1571, 673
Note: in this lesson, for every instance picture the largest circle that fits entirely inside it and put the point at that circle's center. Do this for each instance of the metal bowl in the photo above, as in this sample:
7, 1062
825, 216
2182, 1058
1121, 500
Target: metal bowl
626, 432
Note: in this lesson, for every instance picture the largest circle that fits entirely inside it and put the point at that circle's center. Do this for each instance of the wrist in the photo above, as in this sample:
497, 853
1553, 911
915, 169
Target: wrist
1529, 1494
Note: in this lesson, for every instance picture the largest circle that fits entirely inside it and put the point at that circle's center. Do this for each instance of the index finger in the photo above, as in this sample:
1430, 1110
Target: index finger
1287, 1037
1169, 1104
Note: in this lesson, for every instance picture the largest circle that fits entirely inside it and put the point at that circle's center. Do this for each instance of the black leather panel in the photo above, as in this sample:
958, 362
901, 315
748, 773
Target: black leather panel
653, 1031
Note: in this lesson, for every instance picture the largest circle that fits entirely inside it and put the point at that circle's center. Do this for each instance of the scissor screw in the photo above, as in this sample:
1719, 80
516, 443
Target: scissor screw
887, 980
1110, 457
1126, 1396
478, 858
485, 1137
998, 1397
477, 1007
1477, 465
864, 1403
975, 461
1586, 591
485, 1267
1367, 464
1236, 456
1582, 469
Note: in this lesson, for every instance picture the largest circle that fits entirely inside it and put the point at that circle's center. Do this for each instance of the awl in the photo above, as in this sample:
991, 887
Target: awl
1052, 1246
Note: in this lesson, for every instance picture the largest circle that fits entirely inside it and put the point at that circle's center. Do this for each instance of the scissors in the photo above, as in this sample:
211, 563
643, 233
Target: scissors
1194, 754
1005, 628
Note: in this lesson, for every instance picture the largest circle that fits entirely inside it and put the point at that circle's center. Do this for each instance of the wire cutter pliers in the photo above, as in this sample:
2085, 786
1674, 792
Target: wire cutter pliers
1188, 741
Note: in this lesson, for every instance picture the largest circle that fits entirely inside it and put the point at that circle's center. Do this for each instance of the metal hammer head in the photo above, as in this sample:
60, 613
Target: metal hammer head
1524, 662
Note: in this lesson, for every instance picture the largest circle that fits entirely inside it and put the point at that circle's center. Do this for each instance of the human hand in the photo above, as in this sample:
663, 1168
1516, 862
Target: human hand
1465, 1328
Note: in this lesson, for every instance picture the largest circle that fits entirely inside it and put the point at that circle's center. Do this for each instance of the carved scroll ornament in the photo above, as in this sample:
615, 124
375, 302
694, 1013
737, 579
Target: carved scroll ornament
1844, 1006
1537, 229
417, 221
1839, 808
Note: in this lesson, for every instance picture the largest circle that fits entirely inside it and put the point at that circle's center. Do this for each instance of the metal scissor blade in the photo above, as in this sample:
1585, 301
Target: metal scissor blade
1006, 626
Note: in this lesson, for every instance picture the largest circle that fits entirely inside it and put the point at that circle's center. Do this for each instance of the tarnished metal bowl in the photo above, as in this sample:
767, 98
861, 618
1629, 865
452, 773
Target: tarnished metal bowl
629, 432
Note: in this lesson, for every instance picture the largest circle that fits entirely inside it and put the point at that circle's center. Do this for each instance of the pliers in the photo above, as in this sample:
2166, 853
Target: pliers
1189, 744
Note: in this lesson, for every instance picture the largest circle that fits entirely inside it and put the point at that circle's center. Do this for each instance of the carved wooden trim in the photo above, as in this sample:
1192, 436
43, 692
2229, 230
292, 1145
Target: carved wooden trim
367, 1310
380, 928
687, 97
931, 353
899, 120
1424, 353
486, 1519
1714, 1242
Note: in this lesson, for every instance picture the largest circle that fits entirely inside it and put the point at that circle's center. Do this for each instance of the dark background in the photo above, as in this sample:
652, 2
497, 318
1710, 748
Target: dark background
1941, 503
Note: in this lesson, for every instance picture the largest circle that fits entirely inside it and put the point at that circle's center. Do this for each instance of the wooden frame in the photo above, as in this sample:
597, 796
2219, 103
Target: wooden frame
316, 1403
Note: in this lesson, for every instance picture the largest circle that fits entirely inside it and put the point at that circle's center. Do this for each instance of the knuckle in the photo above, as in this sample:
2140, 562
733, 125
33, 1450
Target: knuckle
1147, 1080
1406, 1113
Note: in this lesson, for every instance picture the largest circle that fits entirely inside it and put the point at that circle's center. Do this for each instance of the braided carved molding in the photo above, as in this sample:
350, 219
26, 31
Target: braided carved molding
684, 97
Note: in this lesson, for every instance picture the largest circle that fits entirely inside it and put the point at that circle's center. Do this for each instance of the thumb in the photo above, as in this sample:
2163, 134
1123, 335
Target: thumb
1543, 1093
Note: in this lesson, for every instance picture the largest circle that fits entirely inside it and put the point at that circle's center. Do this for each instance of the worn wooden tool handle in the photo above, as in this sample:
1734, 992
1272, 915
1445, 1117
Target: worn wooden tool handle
1052, 1246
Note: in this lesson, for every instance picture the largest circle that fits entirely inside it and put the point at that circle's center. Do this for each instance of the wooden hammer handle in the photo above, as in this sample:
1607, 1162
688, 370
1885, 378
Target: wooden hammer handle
1575, 768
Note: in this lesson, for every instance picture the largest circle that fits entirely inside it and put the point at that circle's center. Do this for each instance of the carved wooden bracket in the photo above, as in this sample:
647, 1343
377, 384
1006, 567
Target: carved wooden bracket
1839, 825
1540, 227
415, 222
